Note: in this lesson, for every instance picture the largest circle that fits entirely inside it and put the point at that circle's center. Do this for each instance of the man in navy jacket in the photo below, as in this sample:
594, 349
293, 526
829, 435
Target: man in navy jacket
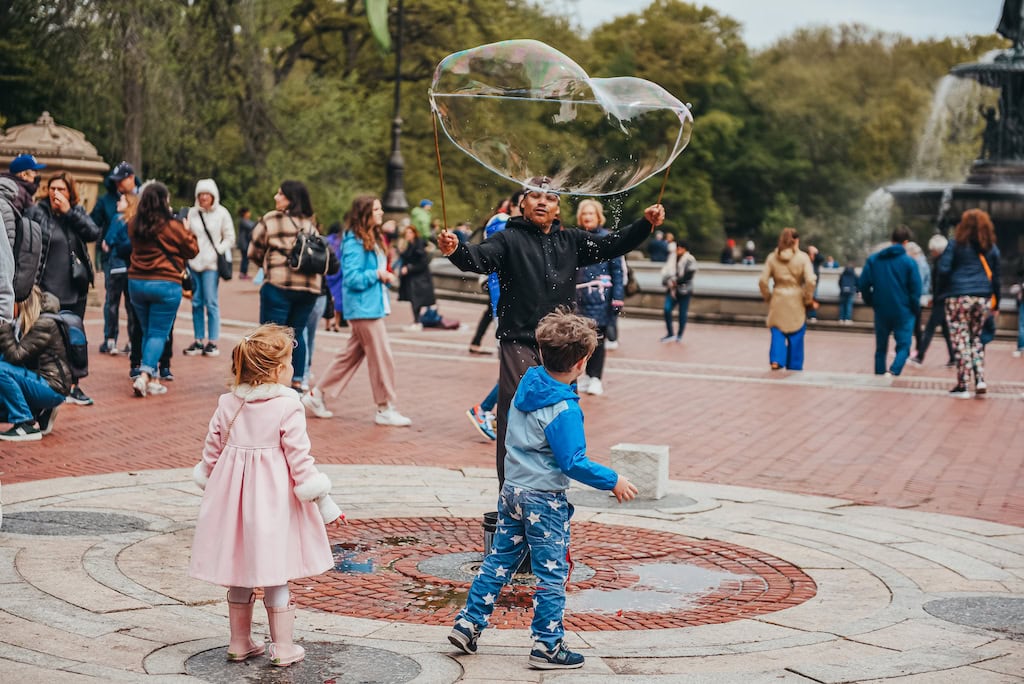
891, 284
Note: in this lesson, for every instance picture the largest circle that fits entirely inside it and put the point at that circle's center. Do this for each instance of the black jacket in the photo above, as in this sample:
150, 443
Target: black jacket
417, 285
41, 349
537, 271
62, 235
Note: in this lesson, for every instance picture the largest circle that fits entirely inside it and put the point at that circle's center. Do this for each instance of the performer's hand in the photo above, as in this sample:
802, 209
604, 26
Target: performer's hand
447, 242
655, 215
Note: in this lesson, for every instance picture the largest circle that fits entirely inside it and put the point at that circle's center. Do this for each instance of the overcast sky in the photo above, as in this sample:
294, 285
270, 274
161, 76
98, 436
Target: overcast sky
764, 21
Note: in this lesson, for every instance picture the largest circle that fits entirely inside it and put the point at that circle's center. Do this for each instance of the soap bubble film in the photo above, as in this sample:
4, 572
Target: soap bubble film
523, 109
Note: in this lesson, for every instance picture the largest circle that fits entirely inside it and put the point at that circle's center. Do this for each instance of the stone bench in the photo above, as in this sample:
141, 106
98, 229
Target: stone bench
645, 465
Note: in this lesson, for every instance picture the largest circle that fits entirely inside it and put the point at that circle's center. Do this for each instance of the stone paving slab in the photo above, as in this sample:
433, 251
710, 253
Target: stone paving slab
119, 605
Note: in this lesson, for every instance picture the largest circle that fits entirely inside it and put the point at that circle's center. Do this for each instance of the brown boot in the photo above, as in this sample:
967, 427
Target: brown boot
283, 652
241, 645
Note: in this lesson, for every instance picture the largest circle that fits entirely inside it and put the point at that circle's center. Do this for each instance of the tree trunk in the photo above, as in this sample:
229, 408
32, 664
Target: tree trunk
133, 87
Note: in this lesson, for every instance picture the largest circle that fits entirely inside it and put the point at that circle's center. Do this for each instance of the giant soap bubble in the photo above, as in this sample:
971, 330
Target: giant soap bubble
523, 109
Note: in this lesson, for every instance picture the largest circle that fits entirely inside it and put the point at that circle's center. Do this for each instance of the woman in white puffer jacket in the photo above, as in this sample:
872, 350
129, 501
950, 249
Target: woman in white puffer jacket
215, 231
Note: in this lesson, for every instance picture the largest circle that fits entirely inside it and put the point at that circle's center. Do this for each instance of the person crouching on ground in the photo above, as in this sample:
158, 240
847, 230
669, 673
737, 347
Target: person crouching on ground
265, 504
791, 294
546, 446
29, 396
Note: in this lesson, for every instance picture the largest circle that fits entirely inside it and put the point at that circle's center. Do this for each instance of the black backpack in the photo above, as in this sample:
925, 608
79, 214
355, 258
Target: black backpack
76, 346
28, 254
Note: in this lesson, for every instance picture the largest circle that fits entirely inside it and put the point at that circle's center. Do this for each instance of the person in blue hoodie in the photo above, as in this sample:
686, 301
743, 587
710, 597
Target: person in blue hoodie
546, 446
890, 283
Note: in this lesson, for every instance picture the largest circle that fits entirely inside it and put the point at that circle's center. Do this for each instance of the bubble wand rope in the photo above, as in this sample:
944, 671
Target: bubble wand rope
664, 181
440, 173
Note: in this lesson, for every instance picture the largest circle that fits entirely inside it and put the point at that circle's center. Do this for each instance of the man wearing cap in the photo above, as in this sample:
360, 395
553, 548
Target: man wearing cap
121, 181
420, 217
18, 189
536, 261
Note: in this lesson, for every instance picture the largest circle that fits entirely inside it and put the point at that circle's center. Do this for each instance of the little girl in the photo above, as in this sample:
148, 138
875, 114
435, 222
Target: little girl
259, 523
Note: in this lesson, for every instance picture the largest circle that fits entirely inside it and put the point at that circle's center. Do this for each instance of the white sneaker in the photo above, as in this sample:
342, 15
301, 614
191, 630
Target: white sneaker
414, 327
611, 345
140, 385
314, 401
582, 383
390, 416
1016, 353
156, 388
595, 387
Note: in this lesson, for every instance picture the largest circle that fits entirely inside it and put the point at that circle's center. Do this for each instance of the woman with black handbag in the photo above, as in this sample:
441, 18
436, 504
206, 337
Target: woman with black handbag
66, 269
289, 292
161, 246
215, 233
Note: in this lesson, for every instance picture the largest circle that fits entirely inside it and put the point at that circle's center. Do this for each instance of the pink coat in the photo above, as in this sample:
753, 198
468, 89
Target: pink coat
259, 523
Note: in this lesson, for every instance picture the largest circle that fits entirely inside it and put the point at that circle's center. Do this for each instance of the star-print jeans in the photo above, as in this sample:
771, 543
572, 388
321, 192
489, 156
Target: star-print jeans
540, 521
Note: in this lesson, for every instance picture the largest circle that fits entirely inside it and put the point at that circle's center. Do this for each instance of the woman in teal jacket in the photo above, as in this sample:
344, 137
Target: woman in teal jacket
365, 286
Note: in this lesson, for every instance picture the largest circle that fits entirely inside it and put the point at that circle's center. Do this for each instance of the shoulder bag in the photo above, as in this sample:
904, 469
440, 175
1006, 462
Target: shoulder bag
186, 275
310, 254
988, 326
223, 264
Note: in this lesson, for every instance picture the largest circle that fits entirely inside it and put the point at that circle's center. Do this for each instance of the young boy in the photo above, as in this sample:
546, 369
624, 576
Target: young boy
546, 447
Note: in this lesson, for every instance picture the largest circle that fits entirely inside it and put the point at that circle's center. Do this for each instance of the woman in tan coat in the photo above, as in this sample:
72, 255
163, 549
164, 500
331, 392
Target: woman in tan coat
791, 293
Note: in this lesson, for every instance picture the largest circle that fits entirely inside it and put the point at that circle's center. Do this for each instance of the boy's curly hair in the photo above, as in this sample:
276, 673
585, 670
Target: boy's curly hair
564, 338
260, 352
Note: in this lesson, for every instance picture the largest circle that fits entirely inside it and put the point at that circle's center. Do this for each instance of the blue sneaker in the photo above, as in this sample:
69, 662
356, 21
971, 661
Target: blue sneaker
558, 658
481, 421
464, 635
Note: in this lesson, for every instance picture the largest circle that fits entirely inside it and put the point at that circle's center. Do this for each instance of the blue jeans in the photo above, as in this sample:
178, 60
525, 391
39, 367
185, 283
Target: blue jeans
684, 311
290, 308
310, 330
156, 306
205, 301
548, 543
787, 349
24, 393
903, 331
1020, 326
492, 398
846, 307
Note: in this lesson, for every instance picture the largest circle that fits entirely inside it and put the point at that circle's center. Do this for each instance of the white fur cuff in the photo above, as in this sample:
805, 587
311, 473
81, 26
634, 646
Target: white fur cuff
313, 488
329, 510
199, 475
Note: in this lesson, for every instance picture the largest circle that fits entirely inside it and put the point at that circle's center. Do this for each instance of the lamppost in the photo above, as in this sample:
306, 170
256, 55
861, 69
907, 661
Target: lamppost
395, 201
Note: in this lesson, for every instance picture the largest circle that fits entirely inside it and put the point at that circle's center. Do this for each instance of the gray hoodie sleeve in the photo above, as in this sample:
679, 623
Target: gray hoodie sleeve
6, 275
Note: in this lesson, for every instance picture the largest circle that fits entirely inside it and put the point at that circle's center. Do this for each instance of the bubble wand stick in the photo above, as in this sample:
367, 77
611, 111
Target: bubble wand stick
664, 181
440, 173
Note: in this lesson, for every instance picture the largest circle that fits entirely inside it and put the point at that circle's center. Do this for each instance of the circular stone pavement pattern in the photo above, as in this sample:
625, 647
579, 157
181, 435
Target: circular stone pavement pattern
641, 579
61, 523
998, 613
324, 662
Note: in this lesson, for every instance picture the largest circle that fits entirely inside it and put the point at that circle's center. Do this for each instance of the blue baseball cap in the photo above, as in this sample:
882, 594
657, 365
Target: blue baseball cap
426, 203
24, 162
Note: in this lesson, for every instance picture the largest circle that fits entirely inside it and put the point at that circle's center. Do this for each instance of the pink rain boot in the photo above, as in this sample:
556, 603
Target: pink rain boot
241, 645
282, 624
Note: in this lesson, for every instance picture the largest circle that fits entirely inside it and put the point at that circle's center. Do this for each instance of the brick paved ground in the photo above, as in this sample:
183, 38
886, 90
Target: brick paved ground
834, 430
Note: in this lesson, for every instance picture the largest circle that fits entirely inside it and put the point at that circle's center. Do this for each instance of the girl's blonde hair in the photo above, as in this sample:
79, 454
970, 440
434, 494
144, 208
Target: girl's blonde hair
30, 308
132, 201
255, 360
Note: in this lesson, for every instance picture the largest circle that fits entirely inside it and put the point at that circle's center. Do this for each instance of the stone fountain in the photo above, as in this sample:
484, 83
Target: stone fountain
996, 179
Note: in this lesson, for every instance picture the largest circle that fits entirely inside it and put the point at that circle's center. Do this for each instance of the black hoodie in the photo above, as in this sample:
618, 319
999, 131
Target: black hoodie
537, 270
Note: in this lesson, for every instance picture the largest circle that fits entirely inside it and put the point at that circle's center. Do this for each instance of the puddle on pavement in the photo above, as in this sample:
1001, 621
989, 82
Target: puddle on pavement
662, 587
348, 558
399, 541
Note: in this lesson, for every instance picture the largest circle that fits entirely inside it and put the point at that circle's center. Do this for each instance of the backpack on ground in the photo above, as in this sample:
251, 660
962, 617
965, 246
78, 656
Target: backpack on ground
76, 346
28, 254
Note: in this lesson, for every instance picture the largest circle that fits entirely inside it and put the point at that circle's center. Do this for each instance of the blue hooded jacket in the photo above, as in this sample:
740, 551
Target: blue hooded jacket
891, 283
545, 443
